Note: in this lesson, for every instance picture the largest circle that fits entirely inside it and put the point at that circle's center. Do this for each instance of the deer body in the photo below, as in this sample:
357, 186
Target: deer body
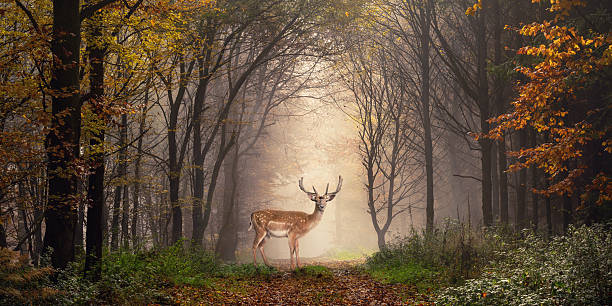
291, 224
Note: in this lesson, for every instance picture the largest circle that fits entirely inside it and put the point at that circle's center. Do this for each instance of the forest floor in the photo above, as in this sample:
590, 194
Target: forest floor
320, 281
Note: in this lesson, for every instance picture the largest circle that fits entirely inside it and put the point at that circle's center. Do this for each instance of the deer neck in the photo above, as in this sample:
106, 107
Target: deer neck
316, 216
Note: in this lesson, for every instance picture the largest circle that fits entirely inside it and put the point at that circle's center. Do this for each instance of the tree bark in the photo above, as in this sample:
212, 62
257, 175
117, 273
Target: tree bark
116, 213
500, 105
226, 245
62, 140
567, 212
125, 207
137, 166
424, 61
22, 223
483, 104
78, 232
521, 188
534, 184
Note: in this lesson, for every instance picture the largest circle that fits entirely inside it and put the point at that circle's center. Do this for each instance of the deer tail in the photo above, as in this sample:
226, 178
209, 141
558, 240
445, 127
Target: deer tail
251, 223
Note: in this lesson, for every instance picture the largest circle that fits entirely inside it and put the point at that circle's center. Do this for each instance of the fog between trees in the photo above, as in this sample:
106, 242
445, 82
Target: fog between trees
141, 124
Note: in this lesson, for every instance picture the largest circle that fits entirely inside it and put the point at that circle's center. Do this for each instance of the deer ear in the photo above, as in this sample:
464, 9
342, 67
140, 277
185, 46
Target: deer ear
313, 197
330, 197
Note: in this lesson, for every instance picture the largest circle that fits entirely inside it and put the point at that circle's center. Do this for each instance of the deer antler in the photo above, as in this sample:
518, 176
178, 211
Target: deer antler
337, 188
304, 190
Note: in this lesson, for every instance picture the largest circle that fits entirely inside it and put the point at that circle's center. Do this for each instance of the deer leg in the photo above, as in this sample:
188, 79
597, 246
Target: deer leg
259, 236
261, 249
291, 250
297, 252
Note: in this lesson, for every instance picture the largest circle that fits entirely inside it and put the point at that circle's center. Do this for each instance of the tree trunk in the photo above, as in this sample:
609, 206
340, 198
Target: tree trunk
503, 181
567, 212
424, 59
549, 225
137, 166
224, 148
521, 188
115, 221
174, 178
381, 240
197, 234
62, 140
125, 218
226, 245
371, 207
22, 221
483, 105
534, 184
123, 164
78, 231
38, 214
499, 86
494, 183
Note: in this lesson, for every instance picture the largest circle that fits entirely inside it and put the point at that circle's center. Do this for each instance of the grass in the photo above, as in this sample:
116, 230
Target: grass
446, 257
405, 273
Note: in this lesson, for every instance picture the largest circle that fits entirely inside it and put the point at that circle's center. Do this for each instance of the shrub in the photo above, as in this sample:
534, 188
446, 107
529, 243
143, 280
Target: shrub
575, 269
447, 256
20, 283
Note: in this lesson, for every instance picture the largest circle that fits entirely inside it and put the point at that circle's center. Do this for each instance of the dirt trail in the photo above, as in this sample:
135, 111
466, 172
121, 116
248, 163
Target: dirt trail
342, 284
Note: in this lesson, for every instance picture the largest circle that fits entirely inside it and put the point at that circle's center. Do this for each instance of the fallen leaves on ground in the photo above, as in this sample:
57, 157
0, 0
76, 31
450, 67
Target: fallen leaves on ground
345, 285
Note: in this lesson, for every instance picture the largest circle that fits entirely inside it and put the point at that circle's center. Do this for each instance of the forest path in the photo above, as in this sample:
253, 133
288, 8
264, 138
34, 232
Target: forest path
342, 283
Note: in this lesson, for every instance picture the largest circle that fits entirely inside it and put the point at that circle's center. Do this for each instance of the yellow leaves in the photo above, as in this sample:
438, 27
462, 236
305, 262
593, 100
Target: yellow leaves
566, 63
472, 10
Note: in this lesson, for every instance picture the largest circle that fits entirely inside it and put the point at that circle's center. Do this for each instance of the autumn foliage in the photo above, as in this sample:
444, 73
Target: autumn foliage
565, 97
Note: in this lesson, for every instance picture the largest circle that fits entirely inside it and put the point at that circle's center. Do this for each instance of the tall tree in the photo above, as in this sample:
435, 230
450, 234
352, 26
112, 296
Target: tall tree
62, 142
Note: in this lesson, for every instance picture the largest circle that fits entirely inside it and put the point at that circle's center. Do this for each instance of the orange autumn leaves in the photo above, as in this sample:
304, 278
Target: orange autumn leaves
556, 101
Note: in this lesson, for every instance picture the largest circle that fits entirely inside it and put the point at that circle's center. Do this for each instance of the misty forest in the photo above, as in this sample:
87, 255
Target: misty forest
379, 152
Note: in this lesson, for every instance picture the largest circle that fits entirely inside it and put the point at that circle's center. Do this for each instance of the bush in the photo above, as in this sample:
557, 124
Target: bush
20, 283
575, 269
143, 277
445, 257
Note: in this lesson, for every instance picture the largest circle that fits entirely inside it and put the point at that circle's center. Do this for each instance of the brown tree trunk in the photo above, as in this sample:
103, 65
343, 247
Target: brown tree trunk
226, 245
534, 184
494, 183
62, 140
95, 190
22, 220
116, 214
567, 212
499, 85
38, 214
424, 65
521, 188
549, 225
137, 166
78, 231
483, 105
125, 218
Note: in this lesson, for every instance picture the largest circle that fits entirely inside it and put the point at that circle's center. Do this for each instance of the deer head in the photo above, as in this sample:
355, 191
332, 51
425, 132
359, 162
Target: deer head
321, 200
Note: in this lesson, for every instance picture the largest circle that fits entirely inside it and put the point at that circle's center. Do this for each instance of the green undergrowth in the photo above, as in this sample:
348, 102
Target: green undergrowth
497, 267
445, 257
128, 278
574, 269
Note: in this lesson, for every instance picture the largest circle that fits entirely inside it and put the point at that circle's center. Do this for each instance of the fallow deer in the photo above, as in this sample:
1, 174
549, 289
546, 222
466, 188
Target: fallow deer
291, 224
